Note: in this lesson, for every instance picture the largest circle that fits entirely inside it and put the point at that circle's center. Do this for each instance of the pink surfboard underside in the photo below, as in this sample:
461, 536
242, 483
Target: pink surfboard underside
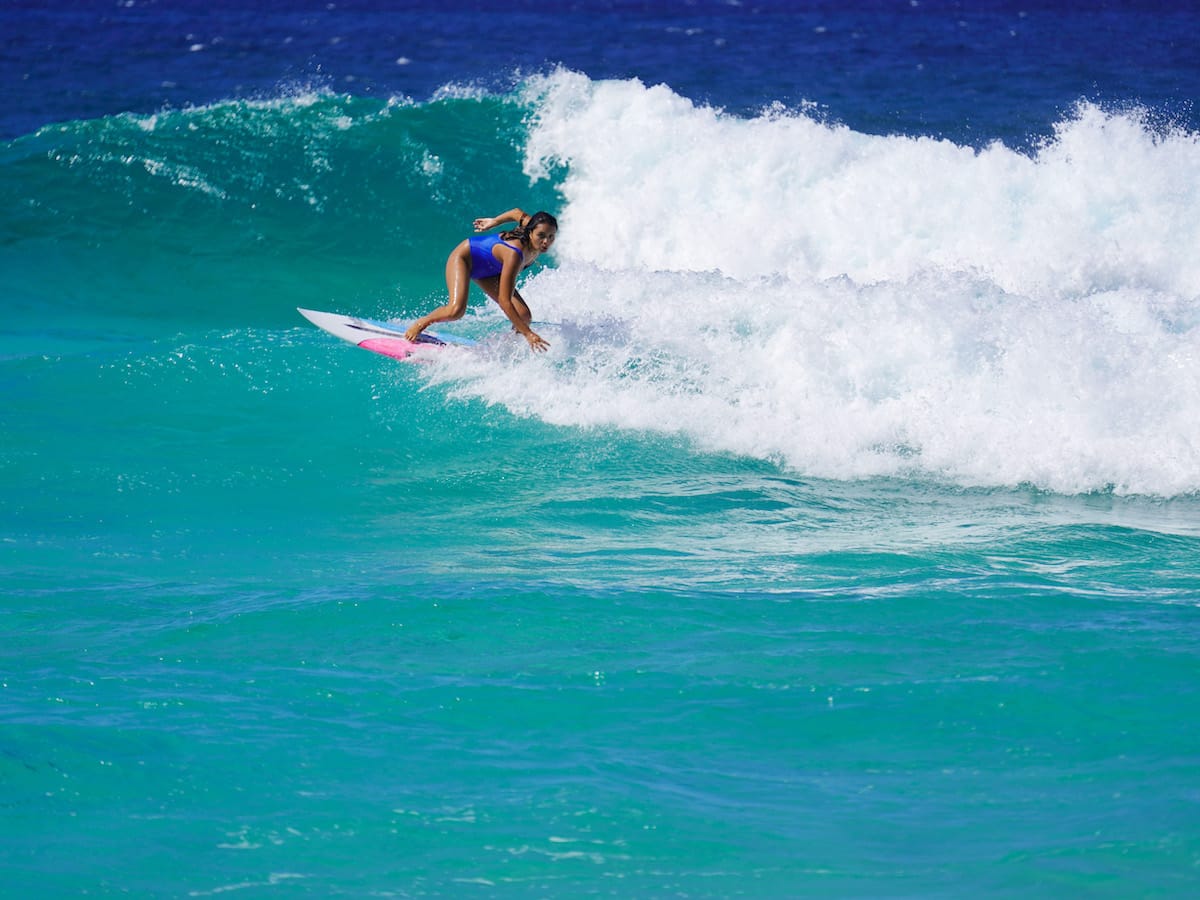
396, 348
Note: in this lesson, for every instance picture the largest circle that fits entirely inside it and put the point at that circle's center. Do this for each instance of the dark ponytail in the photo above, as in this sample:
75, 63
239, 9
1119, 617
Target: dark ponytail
521, 232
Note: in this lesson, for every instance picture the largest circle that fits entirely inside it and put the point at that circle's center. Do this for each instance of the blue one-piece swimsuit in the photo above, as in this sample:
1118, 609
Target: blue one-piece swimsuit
483, 263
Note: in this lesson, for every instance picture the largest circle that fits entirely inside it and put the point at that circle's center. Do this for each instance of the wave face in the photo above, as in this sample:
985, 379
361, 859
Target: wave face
855, 305
779, 286
239, 211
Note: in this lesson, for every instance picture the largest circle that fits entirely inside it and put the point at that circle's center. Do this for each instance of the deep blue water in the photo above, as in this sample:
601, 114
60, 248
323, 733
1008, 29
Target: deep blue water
967, 71
845, 543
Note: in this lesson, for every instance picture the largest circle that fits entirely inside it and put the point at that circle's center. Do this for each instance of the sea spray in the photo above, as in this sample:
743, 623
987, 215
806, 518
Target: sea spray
854, 305
655, 181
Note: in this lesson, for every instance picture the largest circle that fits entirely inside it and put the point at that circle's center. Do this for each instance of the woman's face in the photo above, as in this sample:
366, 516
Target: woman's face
542, 237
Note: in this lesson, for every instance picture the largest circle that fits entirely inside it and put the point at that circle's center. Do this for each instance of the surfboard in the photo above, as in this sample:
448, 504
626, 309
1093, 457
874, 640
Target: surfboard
380, 337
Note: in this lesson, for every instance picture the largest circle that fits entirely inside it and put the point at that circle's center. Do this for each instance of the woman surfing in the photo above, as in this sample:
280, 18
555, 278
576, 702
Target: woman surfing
493, 261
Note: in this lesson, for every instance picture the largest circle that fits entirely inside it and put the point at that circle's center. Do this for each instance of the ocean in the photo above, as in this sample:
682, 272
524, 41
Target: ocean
845, 543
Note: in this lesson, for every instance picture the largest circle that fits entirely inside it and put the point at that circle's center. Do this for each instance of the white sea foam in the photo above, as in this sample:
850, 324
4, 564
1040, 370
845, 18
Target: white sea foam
855, 305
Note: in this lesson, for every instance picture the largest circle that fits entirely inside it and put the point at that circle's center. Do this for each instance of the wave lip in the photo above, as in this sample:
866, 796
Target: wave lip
1111, 201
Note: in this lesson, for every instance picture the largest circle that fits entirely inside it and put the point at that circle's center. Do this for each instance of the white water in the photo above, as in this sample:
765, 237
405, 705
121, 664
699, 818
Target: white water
855, 305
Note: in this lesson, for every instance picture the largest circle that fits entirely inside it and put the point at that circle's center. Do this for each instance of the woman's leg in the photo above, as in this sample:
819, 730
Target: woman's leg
458, 285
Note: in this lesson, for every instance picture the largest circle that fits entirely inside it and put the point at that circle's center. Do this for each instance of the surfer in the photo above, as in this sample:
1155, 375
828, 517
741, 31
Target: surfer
493, 261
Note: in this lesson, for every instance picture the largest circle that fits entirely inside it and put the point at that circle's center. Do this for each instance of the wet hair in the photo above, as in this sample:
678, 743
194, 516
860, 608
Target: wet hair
521, 232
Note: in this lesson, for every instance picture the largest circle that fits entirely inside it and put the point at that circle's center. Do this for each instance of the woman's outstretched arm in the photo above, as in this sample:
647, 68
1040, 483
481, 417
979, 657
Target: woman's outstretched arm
516, 215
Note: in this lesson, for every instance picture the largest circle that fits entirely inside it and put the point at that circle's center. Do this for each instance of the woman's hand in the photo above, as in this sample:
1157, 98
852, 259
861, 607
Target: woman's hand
483, 224
537, 343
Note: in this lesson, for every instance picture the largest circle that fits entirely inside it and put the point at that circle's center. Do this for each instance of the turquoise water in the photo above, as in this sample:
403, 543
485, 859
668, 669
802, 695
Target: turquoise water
857, 558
